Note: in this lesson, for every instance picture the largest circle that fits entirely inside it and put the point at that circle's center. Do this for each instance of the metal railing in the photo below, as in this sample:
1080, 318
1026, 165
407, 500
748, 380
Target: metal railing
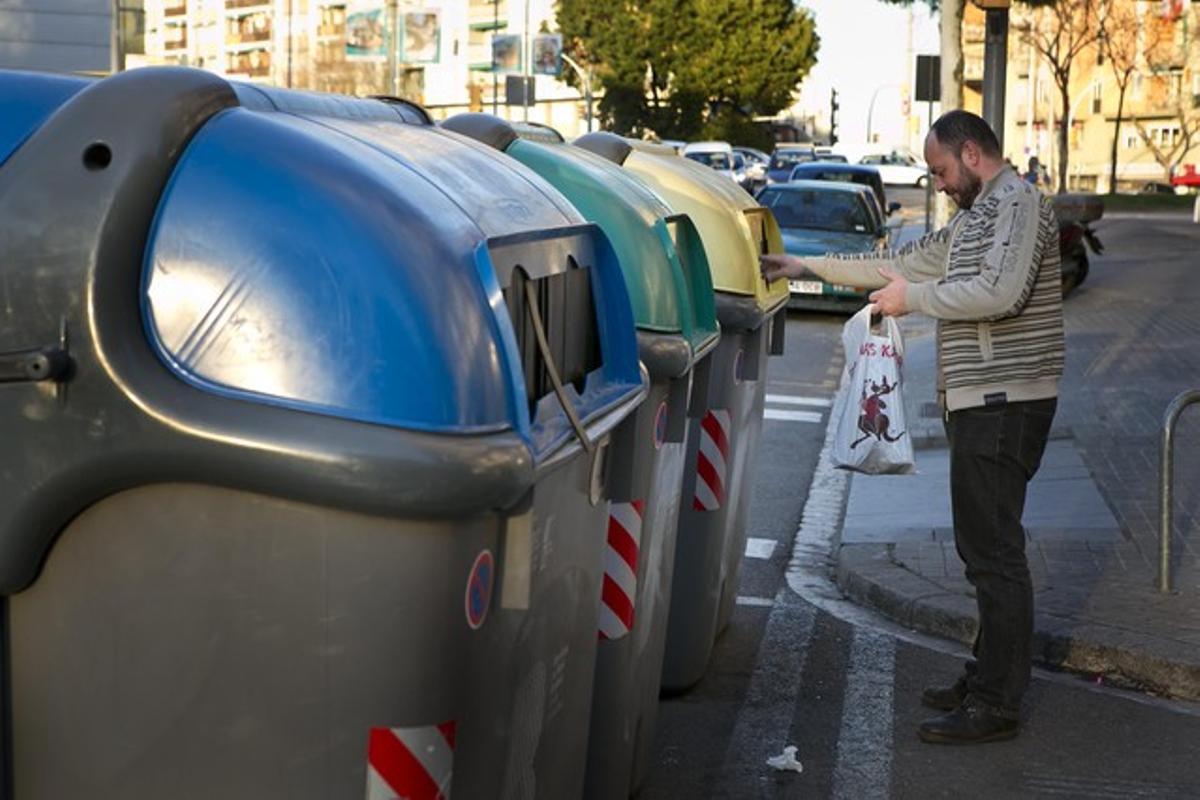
1166, 486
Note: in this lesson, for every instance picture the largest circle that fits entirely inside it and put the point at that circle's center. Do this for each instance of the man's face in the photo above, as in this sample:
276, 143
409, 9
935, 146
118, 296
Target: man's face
951, 174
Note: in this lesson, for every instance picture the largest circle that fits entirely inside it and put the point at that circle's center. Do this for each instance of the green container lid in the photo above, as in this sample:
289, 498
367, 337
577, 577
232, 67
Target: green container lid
661, 252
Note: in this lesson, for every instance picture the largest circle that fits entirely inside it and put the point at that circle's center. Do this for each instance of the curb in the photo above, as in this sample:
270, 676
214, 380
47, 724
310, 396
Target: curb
868, 576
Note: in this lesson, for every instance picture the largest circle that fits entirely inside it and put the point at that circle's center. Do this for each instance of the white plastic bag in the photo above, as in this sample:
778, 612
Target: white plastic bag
872, 435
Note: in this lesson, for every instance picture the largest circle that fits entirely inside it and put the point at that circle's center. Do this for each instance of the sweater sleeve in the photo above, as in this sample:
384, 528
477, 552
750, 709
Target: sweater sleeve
1006, 276
920, 260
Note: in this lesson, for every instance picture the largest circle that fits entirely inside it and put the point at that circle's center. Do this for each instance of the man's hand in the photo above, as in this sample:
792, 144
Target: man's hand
774, 267
890, 300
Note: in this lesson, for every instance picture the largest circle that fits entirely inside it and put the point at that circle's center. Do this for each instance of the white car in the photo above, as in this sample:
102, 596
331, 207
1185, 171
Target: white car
718, 156
898, 168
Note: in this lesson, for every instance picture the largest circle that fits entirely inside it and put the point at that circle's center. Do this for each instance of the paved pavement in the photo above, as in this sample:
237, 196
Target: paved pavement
1133, 343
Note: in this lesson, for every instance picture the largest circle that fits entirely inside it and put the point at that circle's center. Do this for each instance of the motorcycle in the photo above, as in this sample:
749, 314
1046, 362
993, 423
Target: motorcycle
1076, 236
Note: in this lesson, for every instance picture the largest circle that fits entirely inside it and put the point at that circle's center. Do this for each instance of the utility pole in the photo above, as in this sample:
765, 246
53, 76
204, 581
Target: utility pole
995, 64
834, 105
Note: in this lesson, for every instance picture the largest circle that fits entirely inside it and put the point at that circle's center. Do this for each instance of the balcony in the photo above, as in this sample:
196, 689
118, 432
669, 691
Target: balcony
482, 16
246, 6
973, 70
176, 43
974, 33
175, 11
247, 37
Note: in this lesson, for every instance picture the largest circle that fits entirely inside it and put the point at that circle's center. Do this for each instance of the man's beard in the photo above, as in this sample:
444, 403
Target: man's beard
964, 195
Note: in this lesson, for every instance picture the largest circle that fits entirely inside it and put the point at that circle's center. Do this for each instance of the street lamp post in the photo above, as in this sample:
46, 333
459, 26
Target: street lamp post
586, 77
871, 107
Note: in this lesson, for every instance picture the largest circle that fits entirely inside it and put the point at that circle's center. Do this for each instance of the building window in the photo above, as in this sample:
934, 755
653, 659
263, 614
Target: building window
1097, 97
1137, 87
1130, 138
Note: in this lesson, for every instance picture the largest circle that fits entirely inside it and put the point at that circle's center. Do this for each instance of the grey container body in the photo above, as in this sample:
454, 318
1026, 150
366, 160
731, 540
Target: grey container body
206, 597
712, 528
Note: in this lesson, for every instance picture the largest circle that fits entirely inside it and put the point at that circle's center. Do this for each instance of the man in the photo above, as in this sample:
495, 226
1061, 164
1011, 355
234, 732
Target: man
991, 278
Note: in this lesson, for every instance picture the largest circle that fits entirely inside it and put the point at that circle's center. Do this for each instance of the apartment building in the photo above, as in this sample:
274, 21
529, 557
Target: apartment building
75, 36
441, 56
1160, 111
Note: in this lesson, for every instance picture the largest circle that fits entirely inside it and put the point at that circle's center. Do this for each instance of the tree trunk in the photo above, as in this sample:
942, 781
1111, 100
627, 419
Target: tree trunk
952, 56
951, 78
1064, 132
1112, 167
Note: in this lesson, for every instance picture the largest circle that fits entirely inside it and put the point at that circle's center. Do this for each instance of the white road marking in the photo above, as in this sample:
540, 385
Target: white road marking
798, 400
760, 602
760, 548
792, 416
864, 750
762, 724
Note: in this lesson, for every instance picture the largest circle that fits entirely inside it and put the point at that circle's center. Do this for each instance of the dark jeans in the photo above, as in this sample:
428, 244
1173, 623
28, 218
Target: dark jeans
994, 452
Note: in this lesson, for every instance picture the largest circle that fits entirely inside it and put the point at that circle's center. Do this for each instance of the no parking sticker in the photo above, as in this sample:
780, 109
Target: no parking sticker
479, 588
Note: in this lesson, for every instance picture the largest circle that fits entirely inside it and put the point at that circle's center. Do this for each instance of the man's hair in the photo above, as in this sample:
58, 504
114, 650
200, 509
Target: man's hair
955, 128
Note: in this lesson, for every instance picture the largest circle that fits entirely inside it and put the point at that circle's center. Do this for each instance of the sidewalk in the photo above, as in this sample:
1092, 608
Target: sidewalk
1092, 512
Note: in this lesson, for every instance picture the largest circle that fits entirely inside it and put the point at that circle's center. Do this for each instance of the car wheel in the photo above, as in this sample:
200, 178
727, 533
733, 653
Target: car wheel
921, 181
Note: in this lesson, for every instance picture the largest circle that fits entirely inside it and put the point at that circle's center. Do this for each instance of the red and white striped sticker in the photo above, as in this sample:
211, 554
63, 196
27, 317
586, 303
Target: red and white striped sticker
620, 569
711, 461
410, 763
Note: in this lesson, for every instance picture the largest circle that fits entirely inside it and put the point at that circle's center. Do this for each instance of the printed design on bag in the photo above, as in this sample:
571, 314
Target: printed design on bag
620, 569
711, 461
415, 763
872, 421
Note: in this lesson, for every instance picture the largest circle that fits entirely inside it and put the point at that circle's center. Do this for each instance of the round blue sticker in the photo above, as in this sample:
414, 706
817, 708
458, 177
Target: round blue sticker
479, 588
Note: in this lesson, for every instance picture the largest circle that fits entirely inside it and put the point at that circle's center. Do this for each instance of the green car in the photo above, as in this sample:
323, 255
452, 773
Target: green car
819, 217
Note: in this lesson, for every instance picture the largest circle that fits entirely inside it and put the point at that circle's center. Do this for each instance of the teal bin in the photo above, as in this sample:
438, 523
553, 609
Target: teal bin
667, 275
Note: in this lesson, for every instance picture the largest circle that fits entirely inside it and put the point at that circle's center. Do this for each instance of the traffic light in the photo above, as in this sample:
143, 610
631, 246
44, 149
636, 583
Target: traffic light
833, 109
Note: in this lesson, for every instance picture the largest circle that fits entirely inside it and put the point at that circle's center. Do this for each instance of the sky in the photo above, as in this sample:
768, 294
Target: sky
864, 53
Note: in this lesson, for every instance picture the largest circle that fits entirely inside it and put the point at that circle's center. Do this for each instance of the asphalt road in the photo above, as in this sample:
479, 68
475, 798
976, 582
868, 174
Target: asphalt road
798, 665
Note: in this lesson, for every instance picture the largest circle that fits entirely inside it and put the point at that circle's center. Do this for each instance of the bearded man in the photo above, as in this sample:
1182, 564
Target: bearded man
991, 279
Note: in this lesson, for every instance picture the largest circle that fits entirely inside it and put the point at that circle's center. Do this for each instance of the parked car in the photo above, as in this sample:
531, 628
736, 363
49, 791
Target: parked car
898, 167
826, 153
846, 173
819, 217
718, 156
787, 156
1154, 187
756, 167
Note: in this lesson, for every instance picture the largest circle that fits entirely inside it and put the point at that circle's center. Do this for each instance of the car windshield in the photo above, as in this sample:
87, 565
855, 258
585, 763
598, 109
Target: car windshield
810, 208
714, 160
782, 160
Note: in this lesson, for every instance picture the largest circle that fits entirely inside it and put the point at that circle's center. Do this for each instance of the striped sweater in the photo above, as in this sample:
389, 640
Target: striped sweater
992, 279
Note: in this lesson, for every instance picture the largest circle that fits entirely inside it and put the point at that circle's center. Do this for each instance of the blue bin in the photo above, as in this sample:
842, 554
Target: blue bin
306, 410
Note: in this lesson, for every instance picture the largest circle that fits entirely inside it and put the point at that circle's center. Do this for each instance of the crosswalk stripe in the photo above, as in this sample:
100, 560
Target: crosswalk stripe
791, 416
797, 400
864, 750
760, 548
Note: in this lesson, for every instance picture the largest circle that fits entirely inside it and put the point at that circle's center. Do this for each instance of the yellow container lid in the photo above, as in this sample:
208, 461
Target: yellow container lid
735, 229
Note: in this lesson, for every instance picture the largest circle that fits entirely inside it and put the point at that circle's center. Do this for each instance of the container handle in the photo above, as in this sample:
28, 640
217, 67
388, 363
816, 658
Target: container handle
539, 331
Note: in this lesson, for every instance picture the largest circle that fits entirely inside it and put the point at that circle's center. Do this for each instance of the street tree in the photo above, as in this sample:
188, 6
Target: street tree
689, 68
1064, 33
1124, 42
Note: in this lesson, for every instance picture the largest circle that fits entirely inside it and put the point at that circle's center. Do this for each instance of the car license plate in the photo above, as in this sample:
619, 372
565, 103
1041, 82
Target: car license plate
805, 287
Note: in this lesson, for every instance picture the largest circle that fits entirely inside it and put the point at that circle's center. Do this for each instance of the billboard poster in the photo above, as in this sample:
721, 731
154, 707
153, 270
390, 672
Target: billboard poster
506, 53
366, 31
421, 43
547, 54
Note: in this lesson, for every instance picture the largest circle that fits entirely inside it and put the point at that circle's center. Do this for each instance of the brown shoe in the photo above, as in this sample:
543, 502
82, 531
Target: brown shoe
970, 723
945, 698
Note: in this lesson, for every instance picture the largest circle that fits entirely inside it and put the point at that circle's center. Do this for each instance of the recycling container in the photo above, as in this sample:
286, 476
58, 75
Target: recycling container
305, 407
667, 274
717, 489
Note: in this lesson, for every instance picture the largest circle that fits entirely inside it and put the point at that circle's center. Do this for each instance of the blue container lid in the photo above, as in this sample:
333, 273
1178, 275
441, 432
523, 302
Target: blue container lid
342, 257
29, 98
